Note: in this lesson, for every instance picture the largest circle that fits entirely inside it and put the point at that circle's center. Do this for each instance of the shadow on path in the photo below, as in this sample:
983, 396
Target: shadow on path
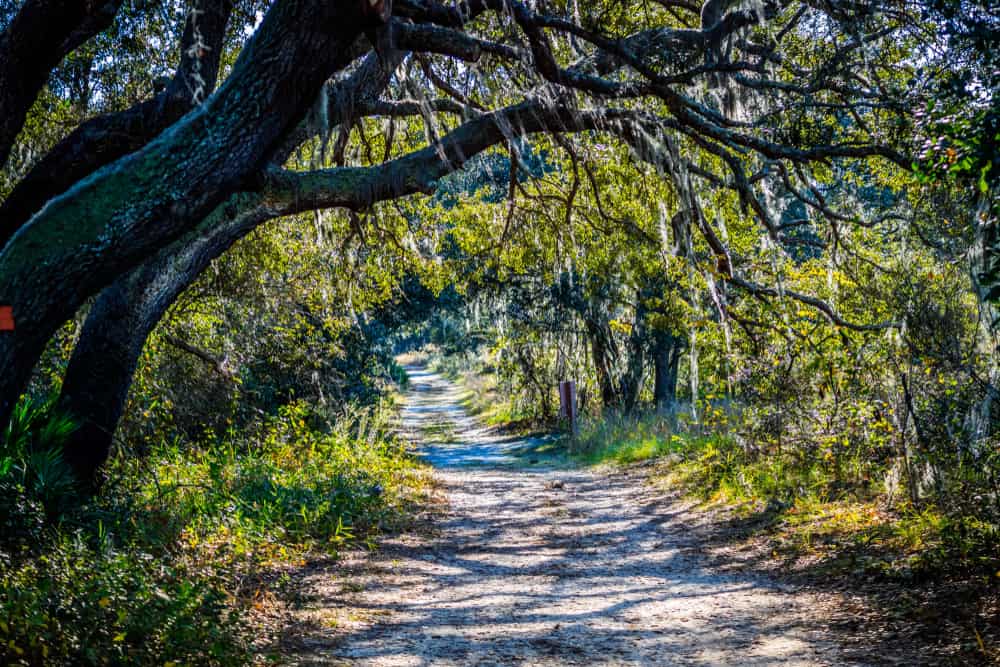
545, 567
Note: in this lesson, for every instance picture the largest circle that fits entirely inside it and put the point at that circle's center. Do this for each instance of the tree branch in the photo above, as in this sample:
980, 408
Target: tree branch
106, 138
360, 187
217, 365
124, 213
818, 304
41, 34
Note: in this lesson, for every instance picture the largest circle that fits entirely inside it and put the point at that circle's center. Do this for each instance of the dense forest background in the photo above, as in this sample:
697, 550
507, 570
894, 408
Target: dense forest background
762, 237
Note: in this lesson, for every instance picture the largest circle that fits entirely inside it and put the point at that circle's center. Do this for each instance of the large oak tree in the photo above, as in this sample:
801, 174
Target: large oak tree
131, 206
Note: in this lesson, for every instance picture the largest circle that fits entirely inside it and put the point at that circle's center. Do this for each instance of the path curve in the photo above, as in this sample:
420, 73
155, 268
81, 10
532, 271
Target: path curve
547, 567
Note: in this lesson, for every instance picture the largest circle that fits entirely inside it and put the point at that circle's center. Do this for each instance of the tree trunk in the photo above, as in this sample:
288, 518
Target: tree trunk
602, 364
127, 211
103, 363
666, 360
106, 138
603, 351
99, 375
631, 384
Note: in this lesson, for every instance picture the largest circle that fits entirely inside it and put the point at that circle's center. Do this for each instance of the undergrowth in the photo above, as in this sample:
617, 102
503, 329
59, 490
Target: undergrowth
163, 565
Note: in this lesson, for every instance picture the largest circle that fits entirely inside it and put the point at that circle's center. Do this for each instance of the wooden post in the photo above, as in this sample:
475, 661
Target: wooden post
567, 404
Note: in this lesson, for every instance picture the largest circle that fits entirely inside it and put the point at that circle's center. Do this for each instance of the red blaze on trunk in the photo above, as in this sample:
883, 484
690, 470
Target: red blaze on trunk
6, 318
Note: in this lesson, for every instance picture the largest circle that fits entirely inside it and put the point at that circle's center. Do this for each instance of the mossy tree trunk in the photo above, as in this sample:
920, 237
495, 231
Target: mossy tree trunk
108, 137
125, 212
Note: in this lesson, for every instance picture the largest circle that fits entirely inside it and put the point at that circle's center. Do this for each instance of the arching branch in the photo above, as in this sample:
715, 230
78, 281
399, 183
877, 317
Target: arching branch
121, 215
41, 34
106, 138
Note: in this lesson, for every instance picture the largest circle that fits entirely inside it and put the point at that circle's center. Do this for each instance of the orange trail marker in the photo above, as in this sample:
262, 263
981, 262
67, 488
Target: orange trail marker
6, 318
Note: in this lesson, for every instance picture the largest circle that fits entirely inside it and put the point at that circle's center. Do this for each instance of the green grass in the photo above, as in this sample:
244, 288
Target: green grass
481, 396
632, 438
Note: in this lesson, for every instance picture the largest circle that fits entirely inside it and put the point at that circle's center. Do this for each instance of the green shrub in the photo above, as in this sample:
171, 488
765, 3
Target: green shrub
627, 438
295, 487
146, 571
36, 486
77, 604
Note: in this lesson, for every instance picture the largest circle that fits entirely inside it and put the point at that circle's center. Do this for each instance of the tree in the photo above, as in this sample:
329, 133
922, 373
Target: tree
37, 38
110, 221
145, 223
107, 137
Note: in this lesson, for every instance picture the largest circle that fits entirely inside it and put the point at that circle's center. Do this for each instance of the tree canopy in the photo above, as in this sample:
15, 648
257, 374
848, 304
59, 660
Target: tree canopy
659, 156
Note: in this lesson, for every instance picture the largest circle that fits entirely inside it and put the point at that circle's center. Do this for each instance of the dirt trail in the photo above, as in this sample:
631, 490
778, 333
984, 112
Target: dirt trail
546, 567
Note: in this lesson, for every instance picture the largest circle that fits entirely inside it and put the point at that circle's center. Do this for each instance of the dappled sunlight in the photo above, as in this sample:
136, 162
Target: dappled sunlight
436, 315
547, 567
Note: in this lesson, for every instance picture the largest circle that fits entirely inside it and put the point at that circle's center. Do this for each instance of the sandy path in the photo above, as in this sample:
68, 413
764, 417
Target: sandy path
545, 567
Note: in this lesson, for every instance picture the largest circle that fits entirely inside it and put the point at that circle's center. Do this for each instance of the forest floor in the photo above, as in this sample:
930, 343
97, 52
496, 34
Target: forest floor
529, 561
